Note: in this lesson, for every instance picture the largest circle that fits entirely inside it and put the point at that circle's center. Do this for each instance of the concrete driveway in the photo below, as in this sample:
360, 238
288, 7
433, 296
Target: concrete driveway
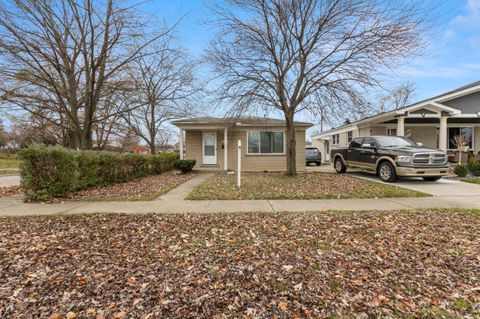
9, 180
444, 187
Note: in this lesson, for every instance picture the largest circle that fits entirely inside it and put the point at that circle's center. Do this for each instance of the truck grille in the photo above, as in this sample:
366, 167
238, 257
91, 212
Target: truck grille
429, 158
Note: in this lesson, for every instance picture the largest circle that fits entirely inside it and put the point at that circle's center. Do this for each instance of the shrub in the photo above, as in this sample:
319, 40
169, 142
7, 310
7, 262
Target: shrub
474, 167
163, 162
51, 172
461, 170
185, 166
47, 172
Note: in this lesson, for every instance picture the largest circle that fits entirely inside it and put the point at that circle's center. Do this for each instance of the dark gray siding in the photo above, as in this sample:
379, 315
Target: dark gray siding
469, 104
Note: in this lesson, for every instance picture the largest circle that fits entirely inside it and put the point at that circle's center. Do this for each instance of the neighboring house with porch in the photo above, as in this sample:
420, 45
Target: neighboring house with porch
434, 122
212, 142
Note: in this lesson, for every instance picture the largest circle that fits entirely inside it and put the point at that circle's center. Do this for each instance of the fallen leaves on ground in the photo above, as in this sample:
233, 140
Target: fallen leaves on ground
10, 191
303, 186
318, 265
144, 188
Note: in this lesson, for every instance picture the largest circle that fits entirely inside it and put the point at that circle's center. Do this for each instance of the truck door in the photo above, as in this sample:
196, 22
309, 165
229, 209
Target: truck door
368, 156
353, 152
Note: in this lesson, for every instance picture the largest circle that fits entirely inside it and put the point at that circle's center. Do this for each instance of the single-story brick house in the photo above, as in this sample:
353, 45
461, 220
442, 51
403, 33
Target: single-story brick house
433, 122
212, 142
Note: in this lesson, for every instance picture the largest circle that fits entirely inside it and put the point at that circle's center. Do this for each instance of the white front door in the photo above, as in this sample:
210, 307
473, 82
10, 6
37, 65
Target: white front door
209, 148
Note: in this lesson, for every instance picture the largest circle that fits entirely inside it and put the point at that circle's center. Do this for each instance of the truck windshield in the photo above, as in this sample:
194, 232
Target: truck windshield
394, 141
312, 151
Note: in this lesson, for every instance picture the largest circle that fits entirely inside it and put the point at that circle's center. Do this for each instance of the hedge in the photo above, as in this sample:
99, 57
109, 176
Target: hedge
48, 172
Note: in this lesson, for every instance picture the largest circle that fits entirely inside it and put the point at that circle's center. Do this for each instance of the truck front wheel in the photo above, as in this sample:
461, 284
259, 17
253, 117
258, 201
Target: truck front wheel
339, 166
386, 172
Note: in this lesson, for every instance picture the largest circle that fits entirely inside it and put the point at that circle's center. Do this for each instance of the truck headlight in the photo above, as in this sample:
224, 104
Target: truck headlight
403, 158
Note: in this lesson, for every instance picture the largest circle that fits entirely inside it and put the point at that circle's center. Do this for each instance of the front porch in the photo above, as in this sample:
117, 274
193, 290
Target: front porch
435, 126
209, 147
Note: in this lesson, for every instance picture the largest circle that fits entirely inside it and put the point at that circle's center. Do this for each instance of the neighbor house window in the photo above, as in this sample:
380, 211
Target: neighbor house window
265, 142
467, 132
391, 131
349, 136
335, 139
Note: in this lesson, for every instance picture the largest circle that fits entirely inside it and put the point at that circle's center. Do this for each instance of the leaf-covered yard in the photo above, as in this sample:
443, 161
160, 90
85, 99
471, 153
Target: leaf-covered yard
377, 264
10, 191
303, 186
145, 188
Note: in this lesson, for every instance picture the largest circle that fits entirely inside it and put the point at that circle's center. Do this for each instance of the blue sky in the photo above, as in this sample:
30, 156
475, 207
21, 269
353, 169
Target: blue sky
451, 59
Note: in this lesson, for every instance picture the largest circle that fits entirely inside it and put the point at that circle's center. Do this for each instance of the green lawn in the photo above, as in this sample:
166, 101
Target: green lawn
472, 180
304, 186
8, 164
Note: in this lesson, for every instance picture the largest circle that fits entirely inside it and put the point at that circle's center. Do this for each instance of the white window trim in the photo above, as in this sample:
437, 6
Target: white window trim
267, 154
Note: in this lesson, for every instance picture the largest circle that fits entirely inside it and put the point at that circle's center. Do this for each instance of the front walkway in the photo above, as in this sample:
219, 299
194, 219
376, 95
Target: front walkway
173, 202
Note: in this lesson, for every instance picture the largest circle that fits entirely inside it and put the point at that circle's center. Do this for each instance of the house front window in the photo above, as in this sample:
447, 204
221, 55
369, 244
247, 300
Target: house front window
349, 136
465, 133
391, 131
265, 142
335, 139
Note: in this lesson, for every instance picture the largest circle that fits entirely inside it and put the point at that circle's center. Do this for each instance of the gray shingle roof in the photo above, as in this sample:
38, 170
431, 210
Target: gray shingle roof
465, 87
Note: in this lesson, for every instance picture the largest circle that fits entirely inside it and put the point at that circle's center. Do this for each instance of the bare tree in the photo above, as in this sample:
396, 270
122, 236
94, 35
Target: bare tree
25, 130
164, 86
304, 55
397, 98
3, 135
164, 141
112, 107
127, 139
57, 57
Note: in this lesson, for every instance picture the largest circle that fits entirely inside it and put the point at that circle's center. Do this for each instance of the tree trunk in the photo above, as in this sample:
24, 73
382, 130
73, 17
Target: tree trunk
291, 145
153, 148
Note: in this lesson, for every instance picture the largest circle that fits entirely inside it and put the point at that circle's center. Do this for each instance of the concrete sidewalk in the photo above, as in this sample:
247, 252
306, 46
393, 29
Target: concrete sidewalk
173, 202
17, 208
9, 180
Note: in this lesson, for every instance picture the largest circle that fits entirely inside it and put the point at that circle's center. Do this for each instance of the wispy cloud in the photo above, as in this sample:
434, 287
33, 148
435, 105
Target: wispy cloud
449, 33
471, 17
439, 69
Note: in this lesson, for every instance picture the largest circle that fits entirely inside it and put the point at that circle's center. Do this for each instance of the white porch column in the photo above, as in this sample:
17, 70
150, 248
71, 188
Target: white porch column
181, 144
400, 126
225, 149
442, 138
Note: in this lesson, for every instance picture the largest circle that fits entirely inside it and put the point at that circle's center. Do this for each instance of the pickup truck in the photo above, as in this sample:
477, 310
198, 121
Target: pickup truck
391, 156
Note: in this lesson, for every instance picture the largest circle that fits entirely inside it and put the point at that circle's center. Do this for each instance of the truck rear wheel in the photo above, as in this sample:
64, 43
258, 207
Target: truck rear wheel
339, 166
386, 172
